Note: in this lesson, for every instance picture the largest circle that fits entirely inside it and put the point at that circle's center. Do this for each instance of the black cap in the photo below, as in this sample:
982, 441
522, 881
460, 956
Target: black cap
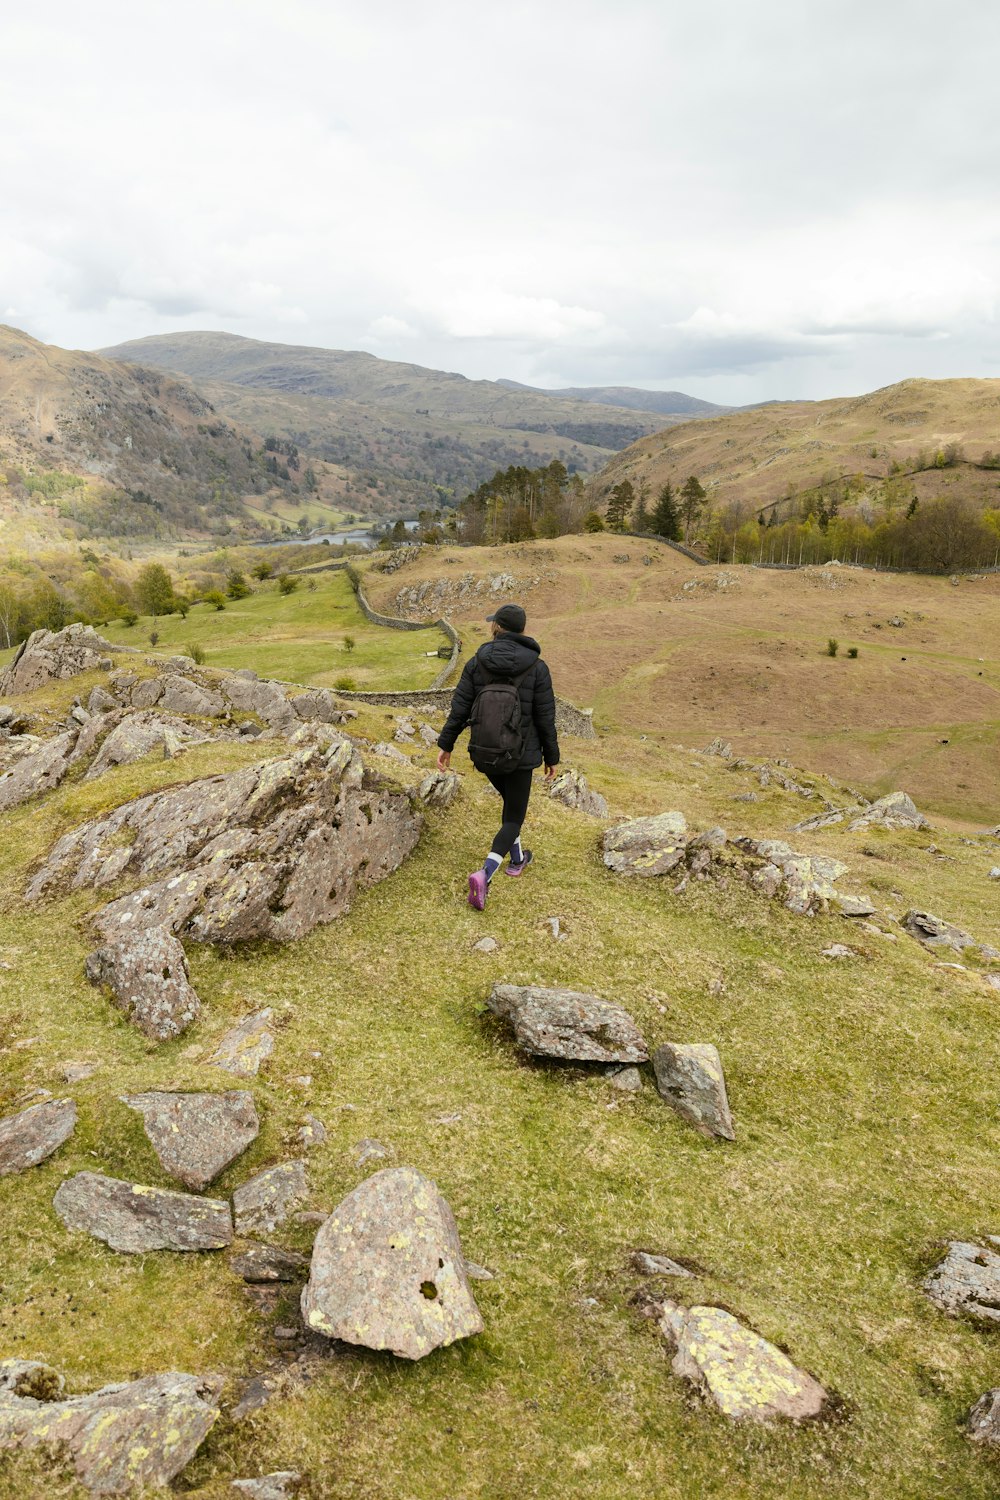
510, 617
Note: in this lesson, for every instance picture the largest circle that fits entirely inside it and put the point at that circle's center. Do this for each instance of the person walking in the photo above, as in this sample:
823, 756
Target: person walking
505, 697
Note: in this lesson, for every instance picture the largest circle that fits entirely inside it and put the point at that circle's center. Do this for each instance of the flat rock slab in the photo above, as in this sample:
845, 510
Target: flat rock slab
934, 932
147, 975
388, 1270
246, 1047
122, 1438
268, 1263
646, 846
568, 1024
33, 1135
265, 1201
984, 1420
967, 1280
747, 1378
196, 1136
648, 1264
132, 1218
689, 1077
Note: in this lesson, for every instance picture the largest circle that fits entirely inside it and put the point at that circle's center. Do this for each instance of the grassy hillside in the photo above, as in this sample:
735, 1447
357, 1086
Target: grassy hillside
664, 403
103, 449
758, 456
399, 431
864, 1099
684, 653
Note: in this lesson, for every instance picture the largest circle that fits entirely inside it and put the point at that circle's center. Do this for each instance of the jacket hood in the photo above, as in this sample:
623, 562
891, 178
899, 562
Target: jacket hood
509, 654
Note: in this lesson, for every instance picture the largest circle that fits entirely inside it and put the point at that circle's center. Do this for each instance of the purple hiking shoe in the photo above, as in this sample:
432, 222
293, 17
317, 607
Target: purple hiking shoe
520, 869
478, 886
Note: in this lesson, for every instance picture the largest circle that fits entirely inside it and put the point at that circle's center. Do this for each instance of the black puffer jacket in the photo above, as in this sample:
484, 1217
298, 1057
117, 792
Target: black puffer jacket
505, 658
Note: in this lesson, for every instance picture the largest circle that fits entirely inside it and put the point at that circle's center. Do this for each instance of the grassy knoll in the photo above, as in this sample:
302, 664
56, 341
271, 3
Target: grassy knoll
298, 637
864, 1098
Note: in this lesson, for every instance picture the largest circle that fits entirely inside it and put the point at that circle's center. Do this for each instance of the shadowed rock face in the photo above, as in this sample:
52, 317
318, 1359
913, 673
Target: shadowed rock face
568, 1024
196, 1136
38, 772
133, 1218
31, 1136
967, 1280
438, 789
47, 655
147, 974
268, 851
121, 1438
935, 932
388, 1270
689, 1077
747, 1378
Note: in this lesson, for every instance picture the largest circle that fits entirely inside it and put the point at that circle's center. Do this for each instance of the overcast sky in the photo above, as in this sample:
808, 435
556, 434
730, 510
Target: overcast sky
782, 198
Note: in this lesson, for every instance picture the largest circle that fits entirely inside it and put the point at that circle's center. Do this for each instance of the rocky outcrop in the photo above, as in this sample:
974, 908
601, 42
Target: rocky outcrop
147, 975
897, 810
245, 1047
571, 789
438, 789
747, 1378
690, 1078
268, 851
388, 1270
48, 655
137, 735
121, 1439
28, 1138
568, 1024
38, 772
967, 1281
804, 882
196, 1136
265, 1201
934, 932
133, 1218
647, 846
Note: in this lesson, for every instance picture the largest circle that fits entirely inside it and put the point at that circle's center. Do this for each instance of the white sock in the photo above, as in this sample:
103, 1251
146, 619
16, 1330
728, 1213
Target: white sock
492, 865
517, 853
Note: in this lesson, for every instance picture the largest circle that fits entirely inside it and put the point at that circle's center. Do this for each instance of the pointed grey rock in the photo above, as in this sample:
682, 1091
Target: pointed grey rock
33, 1135
132, 1218
196, 1136
568, 1024
689, 1077
388, 1270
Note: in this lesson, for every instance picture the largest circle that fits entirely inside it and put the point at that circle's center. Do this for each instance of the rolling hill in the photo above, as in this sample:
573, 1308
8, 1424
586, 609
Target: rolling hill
631, 398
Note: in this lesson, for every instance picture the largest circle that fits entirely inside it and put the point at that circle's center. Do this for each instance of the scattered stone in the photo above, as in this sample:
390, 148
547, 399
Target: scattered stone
719, 747
657, 1265
486, 945
571, 789
933, 932
133, 1218
747, 1378
268, 1263
897, 810
77, 1072
311, 1133
276, 1486
554, 927
805, 881
984, 1420
28, 1138
689, 1077
967, 1280
646, 846
629, 1080
265, 1201
120, 1439
568, 1024
246, 1047
147, 974
993, 874
389, 752
478, 1273
370, 1150
196, 1136
820, 820
439, 789
388, 1270
839, 950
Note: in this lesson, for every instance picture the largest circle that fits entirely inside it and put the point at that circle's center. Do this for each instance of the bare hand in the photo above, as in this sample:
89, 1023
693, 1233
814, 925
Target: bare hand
550, 772
444, 759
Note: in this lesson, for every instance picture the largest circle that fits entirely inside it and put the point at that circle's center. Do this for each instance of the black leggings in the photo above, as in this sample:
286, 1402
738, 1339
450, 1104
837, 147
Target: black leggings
515, 790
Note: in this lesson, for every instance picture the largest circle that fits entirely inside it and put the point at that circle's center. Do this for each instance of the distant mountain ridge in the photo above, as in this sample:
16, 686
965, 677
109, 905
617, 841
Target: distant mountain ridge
630, 398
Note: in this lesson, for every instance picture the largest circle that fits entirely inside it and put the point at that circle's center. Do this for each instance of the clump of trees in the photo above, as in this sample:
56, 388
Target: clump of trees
519, 504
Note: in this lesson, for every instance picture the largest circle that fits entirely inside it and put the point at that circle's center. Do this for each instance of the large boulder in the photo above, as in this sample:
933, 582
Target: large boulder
120, 1439
268, 851
40, 771
646, 846
746, 1377
182, 696
897, 810
268, 700
33, 1135
263, 1202
147, 974
935, 932
388, 1270
568, 1024
132, 1218
196, 1136
689, 1077
967, 1281
571, 789
48, 655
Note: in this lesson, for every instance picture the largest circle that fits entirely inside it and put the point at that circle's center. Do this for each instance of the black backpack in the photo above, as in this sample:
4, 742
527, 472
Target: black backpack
496, 742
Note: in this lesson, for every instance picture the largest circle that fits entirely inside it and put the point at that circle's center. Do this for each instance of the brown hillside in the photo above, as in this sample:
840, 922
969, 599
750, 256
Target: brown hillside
684, 653
752, 457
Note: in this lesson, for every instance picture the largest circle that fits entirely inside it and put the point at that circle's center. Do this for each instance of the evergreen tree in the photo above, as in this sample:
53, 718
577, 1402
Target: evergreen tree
665, 520
620, 502
236, 585
692, 499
